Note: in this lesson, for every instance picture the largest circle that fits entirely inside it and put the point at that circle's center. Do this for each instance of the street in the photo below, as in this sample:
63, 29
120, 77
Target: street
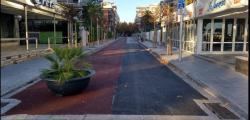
124, 60
146, 87
128, 80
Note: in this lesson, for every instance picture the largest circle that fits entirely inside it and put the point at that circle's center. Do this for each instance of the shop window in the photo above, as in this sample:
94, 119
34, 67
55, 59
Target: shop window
228, 30
227, 47
228, 34
7, 25
216, 46
205, 47
217, 34
239, 46
206, 30
247, 47
240, 30
186, 31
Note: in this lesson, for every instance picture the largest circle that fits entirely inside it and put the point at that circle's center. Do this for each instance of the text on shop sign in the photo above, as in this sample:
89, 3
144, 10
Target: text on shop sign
214, 5
47, 3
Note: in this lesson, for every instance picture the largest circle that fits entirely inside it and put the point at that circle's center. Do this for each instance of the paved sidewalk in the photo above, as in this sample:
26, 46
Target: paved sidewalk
224, 83
17, 75
106, 117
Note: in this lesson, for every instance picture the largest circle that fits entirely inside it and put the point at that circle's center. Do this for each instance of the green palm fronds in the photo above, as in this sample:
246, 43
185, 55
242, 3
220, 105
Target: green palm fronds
62, 62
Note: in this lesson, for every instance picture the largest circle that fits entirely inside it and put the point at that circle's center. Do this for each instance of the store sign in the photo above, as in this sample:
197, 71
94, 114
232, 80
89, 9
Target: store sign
215, 5
47, 3
205, 7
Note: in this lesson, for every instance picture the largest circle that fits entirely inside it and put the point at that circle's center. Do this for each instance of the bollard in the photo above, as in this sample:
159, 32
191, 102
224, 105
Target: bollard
48, 43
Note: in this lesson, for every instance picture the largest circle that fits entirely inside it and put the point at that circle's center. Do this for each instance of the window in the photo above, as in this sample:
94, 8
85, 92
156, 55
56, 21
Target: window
228, 35
240, 31
217, 35
206, 32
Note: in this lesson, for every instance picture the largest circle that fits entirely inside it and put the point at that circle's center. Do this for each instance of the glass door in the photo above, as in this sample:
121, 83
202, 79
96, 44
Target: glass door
228, 35
217, 35
240, 31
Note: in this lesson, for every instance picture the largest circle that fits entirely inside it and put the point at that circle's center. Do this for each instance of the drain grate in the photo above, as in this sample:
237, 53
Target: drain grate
220, 111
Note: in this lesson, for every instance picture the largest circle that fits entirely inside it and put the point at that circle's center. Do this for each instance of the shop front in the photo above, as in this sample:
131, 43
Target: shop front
215, 27
222, 26
25, 19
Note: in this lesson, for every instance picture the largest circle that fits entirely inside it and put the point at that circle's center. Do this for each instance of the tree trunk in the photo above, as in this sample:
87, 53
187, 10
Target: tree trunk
155, 36
91, 32
169, 41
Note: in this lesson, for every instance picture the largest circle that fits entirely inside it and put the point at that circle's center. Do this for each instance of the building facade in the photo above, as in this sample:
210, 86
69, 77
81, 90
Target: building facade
22, 19
214, 27
111, 17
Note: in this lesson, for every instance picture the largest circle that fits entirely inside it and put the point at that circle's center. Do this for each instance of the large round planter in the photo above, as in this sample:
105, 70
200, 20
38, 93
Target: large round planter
70, 87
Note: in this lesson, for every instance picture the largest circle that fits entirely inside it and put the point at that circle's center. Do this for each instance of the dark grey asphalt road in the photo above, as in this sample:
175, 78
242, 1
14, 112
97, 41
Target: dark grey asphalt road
147, 87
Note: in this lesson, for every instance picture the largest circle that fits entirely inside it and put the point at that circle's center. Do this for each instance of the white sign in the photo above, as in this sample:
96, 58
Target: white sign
47, 3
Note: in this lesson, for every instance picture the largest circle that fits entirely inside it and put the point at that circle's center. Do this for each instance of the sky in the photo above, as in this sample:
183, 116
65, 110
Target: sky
127, 8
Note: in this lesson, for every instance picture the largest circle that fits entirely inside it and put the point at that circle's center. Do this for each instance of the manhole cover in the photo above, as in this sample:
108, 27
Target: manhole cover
220, 111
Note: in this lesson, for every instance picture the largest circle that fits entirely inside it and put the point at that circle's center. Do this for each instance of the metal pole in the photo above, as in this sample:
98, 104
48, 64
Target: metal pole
54, 21
68, 34
75, 36
180, 34
161, 22
36, 43
26, 27
97, 30
48, 43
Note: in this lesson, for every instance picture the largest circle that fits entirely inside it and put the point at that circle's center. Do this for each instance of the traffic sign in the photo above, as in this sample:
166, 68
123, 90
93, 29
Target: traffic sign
181, 4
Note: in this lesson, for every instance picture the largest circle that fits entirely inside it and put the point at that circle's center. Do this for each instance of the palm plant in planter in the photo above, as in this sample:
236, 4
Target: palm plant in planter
62, 78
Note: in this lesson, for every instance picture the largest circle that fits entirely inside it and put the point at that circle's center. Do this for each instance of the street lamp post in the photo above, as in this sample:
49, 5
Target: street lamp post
75, 20
54, 23
97, 30
161, 3
180, 38
26, 27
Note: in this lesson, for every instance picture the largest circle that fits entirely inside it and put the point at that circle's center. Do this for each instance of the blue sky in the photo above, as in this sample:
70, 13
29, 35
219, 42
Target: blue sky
127, 8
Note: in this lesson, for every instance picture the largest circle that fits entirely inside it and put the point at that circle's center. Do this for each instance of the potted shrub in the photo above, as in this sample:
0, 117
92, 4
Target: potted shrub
62, 78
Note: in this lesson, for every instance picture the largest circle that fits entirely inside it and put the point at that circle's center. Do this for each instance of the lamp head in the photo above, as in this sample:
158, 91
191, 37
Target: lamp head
18, 17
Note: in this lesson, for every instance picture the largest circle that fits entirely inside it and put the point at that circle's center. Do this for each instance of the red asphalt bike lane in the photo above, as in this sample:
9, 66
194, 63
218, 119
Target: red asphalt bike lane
95, 99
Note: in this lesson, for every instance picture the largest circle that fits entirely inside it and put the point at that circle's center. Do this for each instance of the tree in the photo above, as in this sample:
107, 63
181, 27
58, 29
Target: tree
147, 20
168, 13
93, 16
156, 15
126, 28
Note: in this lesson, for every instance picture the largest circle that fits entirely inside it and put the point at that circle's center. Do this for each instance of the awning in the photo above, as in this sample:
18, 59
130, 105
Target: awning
34, 12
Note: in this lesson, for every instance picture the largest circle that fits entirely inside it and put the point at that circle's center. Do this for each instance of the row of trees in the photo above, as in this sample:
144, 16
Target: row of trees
126, 29
92, 19
152, 20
